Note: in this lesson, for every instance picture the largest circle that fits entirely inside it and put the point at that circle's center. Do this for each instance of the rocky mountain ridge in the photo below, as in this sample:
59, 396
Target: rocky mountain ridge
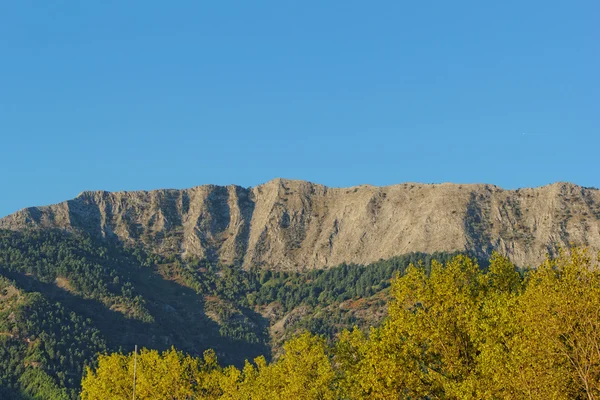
295, 225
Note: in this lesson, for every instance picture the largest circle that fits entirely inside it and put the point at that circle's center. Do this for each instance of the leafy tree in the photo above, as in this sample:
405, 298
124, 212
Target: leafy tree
556, 354
303, 372
454, 331
167, 375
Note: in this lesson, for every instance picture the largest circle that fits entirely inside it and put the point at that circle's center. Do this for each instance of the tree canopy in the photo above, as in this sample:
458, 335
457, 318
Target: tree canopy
454, 331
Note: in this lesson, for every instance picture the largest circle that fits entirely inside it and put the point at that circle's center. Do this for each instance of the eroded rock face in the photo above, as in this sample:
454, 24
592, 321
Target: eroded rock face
286, 224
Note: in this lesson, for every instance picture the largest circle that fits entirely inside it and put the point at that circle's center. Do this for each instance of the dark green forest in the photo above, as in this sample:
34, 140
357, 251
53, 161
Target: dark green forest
66, 297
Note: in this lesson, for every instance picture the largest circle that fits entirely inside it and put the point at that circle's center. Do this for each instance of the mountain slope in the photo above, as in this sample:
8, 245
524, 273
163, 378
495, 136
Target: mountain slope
65, 297
292, 225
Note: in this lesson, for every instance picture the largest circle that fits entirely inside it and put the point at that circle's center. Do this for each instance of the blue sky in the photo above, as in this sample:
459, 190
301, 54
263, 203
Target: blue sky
126, 95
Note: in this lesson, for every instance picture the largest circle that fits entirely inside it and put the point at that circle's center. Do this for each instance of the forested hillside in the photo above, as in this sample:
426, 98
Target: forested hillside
65, 297
452, 328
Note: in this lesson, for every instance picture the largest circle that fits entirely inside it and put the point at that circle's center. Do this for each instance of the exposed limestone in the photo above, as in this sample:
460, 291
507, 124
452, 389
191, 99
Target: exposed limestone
286, 224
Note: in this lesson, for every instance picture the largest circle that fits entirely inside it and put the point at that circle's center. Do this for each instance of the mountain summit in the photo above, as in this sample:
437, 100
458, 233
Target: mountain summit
295, 225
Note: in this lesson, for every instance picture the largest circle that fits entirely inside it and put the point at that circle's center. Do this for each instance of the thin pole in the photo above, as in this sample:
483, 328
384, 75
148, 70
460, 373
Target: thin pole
134, 369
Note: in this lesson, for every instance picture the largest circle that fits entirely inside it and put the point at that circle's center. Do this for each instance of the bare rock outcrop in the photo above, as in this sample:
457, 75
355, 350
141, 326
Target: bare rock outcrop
286, 224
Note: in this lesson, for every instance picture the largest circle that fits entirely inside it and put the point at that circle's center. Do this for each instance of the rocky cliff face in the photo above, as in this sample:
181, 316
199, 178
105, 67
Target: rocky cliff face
287, 224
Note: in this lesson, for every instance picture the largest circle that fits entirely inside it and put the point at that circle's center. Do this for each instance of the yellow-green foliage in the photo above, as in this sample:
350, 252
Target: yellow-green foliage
455, 333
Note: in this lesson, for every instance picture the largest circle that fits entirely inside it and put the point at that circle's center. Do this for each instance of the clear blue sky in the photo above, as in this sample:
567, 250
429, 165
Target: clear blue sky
126, 95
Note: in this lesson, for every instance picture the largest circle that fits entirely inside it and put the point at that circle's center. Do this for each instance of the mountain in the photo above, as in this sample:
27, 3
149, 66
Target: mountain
295, 225
241, 270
